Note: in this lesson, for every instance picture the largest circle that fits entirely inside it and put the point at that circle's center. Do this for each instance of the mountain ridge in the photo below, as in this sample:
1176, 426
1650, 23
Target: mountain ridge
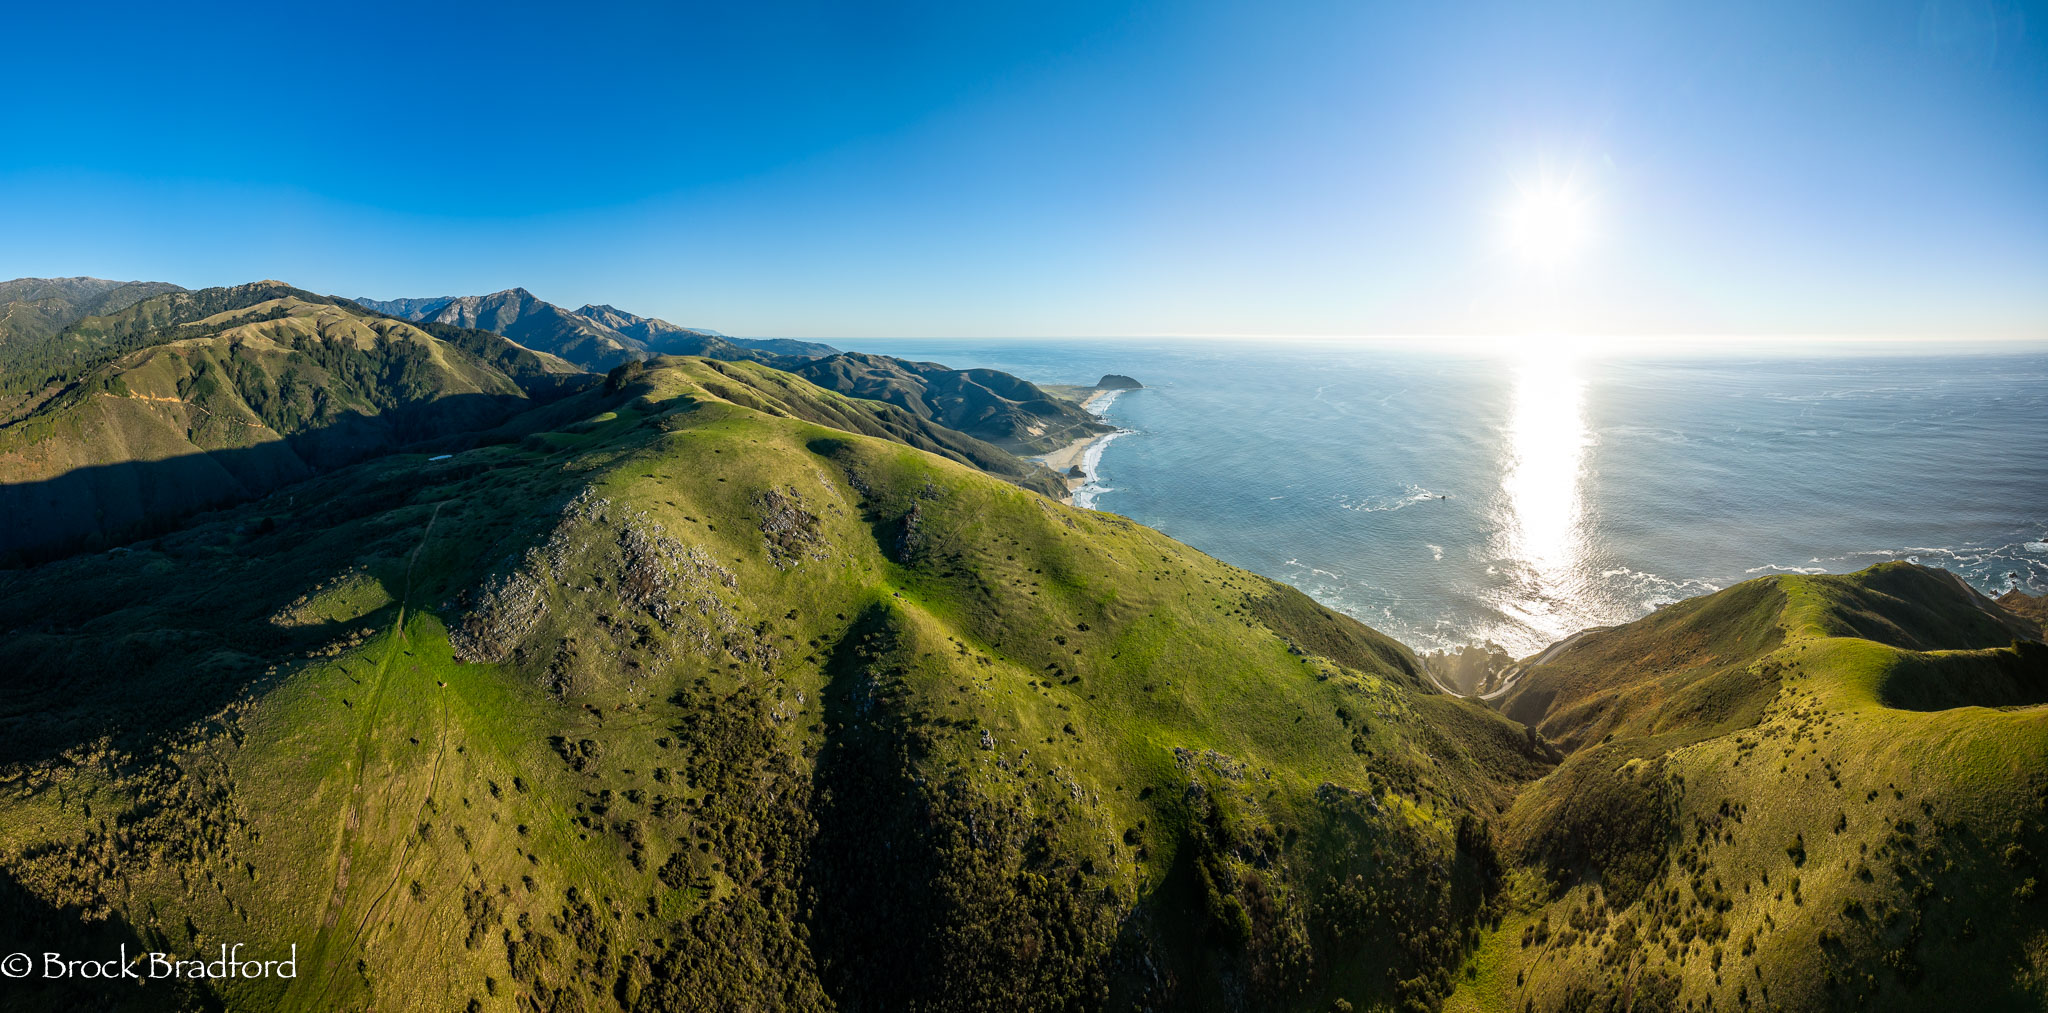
596, 337
241, 401
1003, 409
35, 308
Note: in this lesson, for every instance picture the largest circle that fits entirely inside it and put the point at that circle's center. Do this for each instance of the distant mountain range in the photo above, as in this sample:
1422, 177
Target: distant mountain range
986, 404
594, 337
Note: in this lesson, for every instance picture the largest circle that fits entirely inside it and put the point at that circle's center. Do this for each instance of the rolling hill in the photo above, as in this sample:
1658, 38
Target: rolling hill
994, 406
1802, 792
697, 703
988, 405
35, 308
120, 424
238, 402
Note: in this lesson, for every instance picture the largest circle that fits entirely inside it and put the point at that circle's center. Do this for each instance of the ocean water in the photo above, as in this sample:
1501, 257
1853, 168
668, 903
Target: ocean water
1450, 498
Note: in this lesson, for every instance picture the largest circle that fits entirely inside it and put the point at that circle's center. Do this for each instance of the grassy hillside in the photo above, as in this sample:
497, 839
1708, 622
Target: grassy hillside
779, 393
1803, 792
1002, 409
698, 704
32, 309
2030, 607
233, 404
39, 367
988, 406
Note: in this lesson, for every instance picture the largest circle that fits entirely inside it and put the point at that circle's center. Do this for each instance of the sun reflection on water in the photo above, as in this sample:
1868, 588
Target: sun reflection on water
1540, 535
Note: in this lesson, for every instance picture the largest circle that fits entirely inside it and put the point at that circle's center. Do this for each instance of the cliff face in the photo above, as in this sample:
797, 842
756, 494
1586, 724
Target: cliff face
2033, 607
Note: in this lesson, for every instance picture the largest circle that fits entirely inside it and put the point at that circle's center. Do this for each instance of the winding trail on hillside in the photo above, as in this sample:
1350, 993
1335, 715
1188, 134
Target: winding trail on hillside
405, 847
1514, 675
153, 399
352, 819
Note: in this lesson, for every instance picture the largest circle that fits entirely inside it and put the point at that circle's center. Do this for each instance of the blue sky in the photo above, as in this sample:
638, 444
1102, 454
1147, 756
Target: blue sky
1867, 168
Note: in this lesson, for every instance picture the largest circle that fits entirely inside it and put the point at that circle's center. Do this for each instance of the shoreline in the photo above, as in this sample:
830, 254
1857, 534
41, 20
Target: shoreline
1077, 454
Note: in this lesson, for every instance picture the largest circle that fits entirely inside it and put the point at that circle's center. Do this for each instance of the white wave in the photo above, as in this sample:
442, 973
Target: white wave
1102, 401
1786, 569
1659, 434
1436, 552
1409, 496
1091, 470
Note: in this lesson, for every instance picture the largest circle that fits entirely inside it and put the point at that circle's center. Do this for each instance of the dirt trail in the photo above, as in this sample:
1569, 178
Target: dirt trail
153, 399
353, 815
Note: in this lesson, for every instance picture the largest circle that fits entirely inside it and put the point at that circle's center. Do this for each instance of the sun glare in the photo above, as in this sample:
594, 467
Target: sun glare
1548, 224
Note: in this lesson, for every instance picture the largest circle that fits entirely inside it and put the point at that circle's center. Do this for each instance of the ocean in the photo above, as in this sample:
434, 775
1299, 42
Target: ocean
1457, 497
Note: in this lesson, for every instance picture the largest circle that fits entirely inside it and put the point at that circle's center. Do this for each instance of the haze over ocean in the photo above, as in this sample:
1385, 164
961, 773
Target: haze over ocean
1451, 498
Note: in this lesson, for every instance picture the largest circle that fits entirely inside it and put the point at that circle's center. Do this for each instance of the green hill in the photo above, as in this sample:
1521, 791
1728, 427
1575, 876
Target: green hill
222, 407
994, 406
987, 405
32, 309
1802, 792
42, 366
698, 704
2030, 607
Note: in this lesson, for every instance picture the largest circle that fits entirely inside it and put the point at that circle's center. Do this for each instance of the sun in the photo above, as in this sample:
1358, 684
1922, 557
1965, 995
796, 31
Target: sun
1548, 223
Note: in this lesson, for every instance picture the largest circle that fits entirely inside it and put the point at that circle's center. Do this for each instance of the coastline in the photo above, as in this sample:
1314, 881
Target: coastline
1085, 453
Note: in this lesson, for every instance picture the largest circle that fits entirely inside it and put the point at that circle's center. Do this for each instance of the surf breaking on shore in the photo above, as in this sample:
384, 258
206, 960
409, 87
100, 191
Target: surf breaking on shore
1080, 462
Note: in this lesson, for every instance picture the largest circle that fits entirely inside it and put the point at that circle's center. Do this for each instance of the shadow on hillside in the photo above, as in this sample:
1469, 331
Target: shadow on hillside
932, 894
872, 866
123, 652
2015, 676
32, 926
92, 508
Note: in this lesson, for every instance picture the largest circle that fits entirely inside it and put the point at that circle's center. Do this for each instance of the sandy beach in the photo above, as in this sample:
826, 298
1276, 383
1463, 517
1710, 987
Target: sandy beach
1075, 454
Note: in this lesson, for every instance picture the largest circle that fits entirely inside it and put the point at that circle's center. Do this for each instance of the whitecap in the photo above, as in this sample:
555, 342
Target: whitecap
1409, 496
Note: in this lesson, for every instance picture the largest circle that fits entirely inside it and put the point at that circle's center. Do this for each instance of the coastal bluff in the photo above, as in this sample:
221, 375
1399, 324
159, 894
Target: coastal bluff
1117, 381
